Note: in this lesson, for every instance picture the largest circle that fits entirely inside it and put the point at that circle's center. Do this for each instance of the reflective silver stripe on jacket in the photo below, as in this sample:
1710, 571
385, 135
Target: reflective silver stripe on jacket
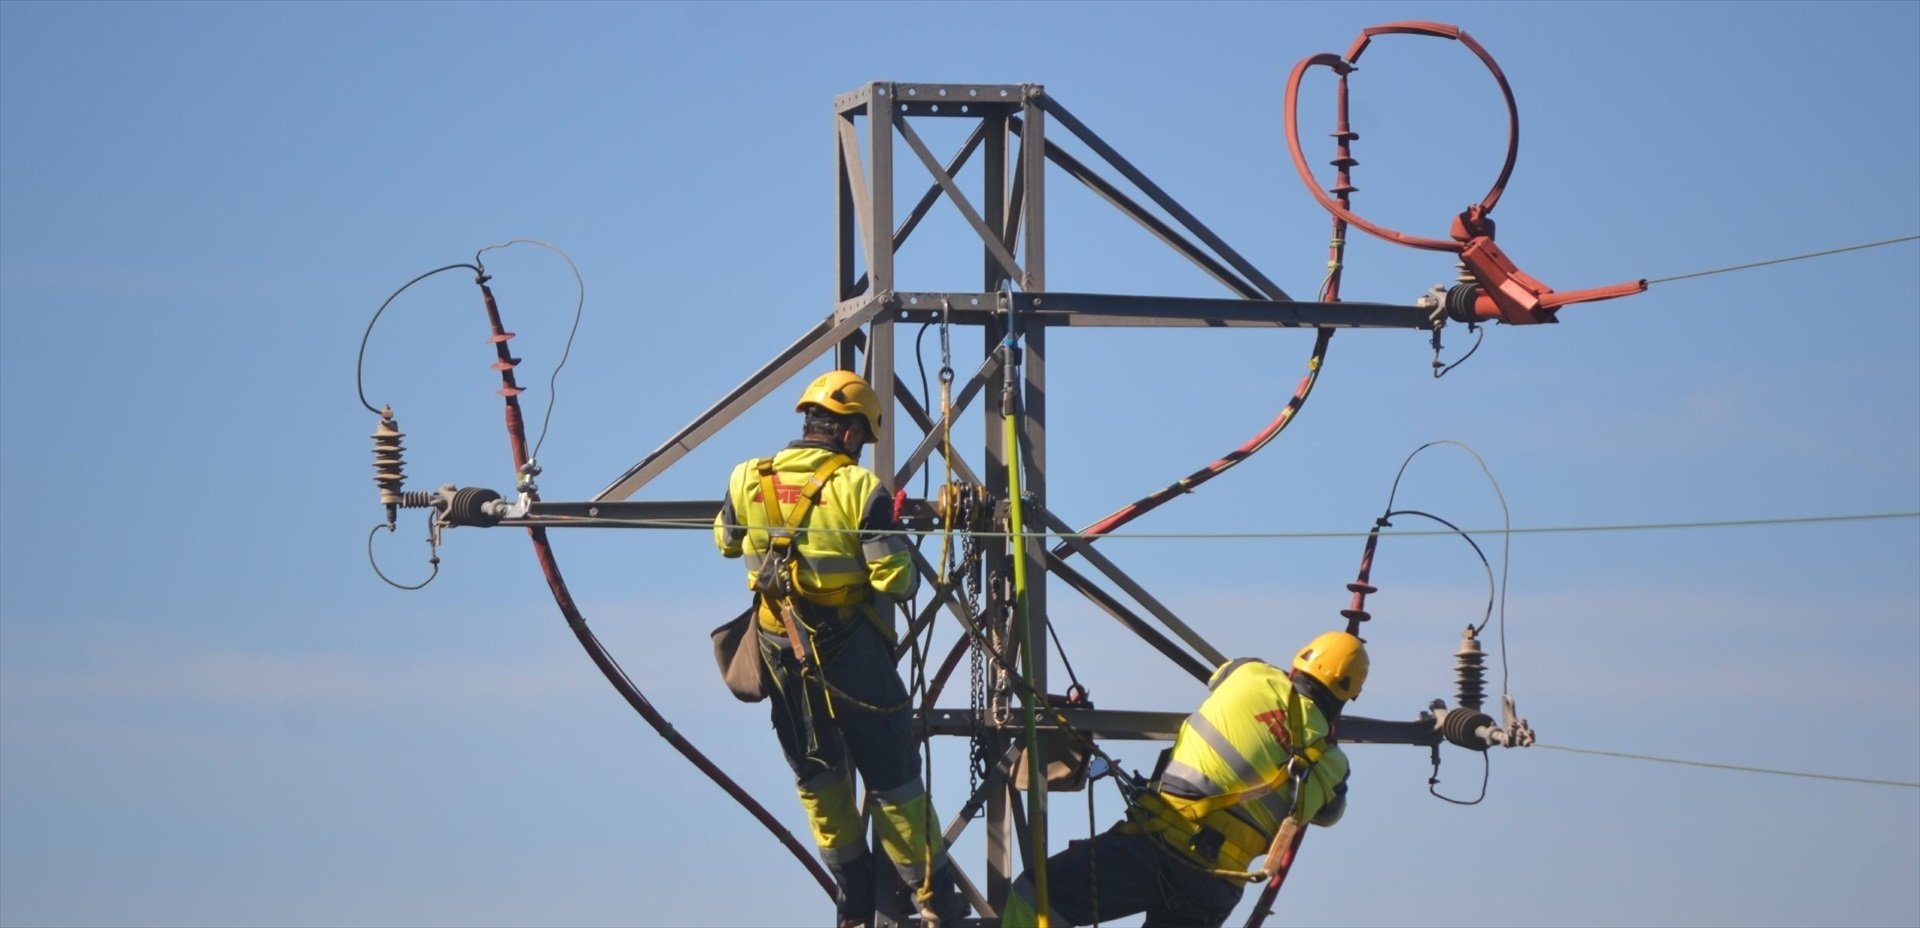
834, 565
1242, 767
1183, 780
831, 565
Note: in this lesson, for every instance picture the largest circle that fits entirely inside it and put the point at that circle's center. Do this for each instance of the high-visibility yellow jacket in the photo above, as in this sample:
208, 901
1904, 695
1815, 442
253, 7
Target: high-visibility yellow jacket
1230, 779
841, 556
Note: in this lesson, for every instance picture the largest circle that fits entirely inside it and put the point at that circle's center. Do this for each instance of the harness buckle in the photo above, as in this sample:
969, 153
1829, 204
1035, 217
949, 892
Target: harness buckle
775, 580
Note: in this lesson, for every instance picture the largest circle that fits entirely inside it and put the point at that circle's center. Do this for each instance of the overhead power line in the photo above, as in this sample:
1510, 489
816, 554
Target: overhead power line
702, 525
1741, 768
1811, 254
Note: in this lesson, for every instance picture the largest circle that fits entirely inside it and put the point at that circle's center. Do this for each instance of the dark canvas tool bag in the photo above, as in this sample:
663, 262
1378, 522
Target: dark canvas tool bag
736, 649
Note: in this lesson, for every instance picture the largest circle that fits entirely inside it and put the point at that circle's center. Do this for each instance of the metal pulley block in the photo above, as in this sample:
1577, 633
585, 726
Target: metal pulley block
964, 507
1067, 760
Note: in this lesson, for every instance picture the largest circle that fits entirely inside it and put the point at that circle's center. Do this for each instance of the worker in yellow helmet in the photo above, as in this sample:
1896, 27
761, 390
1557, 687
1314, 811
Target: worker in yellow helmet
1260, 750
813, 527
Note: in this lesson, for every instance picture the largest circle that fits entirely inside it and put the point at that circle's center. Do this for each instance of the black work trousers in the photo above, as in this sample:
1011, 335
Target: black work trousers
821, 731
1124, 872
827, 734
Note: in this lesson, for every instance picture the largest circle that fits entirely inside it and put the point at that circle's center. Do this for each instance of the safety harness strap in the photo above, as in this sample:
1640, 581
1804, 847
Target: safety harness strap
775, 572
781, 526
1226, 838
776, 580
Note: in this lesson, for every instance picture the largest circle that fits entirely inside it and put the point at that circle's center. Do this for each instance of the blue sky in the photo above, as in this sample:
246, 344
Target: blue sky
212, 712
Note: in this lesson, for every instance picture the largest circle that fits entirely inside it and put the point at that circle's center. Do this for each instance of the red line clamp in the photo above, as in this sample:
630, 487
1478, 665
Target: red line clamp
1506, 293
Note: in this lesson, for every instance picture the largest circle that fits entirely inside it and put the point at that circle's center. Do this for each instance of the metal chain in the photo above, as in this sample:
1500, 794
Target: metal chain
980, 746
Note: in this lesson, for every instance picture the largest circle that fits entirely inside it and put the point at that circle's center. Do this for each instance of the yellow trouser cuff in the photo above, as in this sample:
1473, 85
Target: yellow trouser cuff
831, 813
909, 833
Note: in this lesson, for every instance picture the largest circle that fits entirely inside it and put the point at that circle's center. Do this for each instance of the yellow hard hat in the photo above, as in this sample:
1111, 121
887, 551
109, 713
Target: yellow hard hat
843, 393
1338, 660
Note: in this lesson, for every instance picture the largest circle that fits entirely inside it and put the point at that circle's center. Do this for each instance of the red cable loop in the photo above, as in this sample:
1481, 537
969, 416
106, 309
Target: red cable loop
1347, 64
1507, 294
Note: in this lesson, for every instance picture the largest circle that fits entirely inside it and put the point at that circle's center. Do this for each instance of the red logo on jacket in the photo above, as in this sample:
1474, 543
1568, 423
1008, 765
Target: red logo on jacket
1276, 722
787, 494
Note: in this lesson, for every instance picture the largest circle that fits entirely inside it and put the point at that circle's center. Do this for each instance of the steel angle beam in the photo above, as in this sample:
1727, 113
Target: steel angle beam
1112, 607
933, 99
934, 430
617, 513
1165, 233
943, 178
1113, 724
1152, 190
662, 513
1109, 309
933, 191
824, 335
1084, 548
1049, 309
1358, 729
1129, 725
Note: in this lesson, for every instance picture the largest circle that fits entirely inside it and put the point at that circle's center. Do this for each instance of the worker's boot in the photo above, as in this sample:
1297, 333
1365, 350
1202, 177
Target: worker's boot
942, 905
893, 905
853, 878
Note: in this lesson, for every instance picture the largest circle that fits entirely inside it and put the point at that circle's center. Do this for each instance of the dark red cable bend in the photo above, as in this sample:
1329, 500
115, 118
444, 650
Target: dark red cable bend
517, 436
1342, 189
1186, 484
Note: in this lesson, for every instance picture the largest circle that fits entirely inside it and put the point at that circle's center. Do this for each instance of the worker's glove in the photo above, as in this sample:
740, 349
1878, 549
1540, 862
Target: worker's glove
1333, 810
